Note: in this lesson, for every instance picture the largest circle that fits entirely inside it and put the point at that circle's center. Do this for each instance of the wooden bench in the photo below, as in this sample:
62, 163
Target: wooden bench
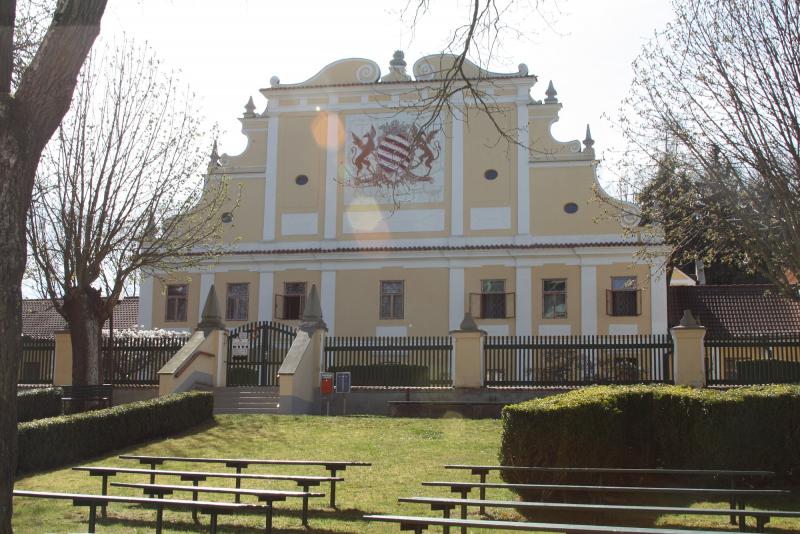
419, 524
266, 496
213, 509
304, 481
445, 505
102, 393
333, 466
732, 475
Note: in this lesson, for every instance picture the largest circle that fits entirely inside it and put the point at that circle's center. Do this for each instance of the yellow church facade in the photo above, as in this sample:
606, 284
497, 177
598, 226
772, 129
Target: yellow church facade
405, 218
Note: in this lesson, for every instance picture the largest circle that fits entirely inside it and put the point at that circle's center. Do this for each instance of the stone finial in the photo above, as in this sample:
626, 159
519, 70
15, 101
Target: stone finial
688, 320
311, 321
588, 142
249, 109
551, 94
397, 68
274, 81
468, 323
213, 160
211, 319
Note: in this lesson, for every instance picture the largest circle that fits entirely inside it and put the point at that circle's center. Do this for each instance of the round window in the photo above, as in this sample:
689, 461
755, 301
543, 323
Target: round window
570, 207
490, 174
227, 217
301, 179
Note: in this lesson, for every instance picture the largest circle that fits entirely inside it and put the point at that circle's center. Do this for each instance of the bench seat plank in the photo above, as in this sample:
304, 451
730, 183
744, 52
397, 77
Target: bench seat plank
311, 479
210, 489
341, 464
616, 470
610, 489
174, 503
407, 521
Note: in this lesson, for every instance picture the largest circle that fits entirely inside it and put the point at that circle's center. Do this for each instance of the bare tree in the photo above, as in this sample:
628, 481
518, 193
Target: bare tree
118, 191
718, 95
28, 118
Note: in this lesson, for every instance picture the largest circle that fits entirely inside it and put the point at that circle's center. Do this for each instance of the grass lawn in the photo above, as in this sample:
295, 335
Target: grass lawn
404, 452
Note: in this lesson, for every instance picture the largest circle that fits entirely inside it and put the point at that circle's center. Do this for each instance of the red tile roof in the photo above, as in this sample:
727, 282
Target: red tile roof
735, 310
41, 320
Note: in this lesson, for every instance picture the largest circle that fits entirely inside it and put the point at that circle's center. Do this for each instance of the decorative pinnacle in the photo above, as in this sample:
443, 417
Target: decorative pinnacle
551, 94
311, 320
213, 160
688, 320
249, 109
588, 142
468, 323
210, 319
398, 60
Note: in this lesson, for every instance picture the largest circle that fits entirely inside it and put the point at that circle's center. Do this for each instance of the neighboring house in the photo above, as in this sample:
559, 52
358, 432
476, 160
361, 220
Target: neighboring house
41, 320
735, 310
405, 226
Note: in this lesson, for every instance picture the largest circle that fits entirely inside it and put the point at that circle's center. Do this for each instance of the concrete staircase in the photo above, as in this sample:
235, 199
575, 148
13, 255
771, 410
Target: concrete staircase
246, 399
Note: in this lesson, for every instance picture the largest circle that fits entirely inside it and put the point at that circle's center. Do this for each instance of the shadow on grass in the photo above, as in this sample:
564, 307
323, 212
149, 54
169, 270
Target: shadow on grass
350, 515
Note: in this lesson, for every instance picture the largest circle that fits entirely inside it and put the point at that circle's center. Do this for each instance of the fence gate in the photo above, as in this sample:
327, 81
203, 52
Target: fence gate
256, 352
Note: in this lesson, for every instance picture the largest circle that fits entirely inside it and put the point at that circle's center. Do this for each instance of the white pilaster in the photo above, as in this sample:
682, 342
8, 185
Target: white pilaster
457, 178
523, 176
456, 291
145, 318
271, 175
658, 297
206, 281
331, 175
328, 299
524, 302
265, 292
588, 300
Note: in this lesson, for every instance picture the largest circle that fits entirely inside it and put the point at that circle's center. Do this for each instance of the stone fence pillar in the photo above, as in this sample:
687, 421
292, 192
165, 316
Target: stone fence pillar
689, 361
468, 354
62, 374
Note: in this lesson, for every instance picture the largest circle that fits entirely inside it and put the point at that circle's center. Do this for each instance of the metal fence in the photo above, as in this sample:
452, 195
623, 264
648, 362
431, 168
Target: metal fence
136, 361
37, 364
392, 361
256, 352
577, 360
763, 359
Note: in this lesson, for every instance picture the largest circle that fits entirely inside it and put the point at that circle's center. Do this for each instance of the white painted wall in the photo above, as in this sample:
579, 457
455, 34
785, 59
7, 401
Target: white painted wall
271, 177
145, 318
400, 221
524, 303
206, 281
327, 296
658, 297
265, 291
456, 290
588, 300
331, 175
490, 218
299, 223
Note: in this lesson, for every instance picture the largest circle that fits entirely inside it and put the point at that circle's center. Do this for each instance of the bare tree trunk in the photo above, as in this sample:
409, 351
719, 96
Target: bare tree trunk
14, 161
85, 315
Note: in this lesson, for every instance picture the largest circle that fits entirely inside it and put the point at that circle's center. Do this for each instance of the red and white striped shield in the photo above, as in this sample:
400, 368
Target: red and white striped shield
394, 153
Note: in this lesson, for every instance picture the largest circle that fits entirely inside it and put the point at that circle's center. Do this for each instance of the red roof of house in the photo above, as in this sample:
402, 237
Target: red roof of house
41, 320
735, 310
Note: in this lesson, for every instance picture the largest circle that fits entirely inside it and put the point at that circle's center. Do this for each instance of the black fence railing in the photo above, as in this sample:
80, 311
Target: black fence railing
392, 361
136, 361
37, 364
577, 360
763, 359
256, 352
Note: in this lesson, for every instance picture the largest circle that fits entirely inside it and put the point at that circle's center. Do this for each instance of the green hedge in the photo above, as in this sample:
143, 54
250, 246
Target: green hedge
394, 375
58, 441
38, 403
755, 427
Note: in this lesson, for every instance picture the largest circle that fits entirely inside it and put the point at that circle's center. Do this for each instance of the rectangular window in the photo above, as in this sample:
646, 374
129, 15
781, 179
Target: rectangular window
493, 299
623, 298
293, 300
554, 299
177, 300
238, 301
391, 299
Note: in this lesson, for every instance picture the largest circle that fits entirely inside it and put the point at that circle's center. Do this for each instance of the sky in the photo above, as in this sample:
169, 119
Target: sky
227, 51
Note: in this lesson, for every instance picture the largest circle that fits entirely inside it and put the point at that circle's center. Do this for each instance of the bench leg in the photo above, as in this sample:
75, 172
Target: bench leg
104, 492
333, 489
733, 507
238, 497
464, 509
194, 498
742, 520
482, 508
268, 528
153, 474
305, 507
446, 515
213, 523
159, 519
92, 518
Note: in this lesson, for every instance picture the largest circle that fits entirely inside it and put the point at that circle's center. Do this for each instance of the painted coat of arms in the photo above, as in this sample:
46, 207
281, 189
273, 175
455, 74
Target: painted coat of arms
395, 159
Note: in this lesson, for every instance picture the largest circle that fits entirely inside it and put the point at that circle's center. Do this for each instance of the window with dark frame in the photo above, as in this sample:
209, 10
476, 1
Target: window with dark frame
177, 300
238, 302
392, 299
554, 299
623, 297
493, 299
294, 300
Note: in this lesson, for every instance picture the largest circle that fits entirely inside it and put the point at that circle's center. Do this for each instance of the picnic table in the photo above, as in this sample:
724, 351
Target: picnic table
333, 466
